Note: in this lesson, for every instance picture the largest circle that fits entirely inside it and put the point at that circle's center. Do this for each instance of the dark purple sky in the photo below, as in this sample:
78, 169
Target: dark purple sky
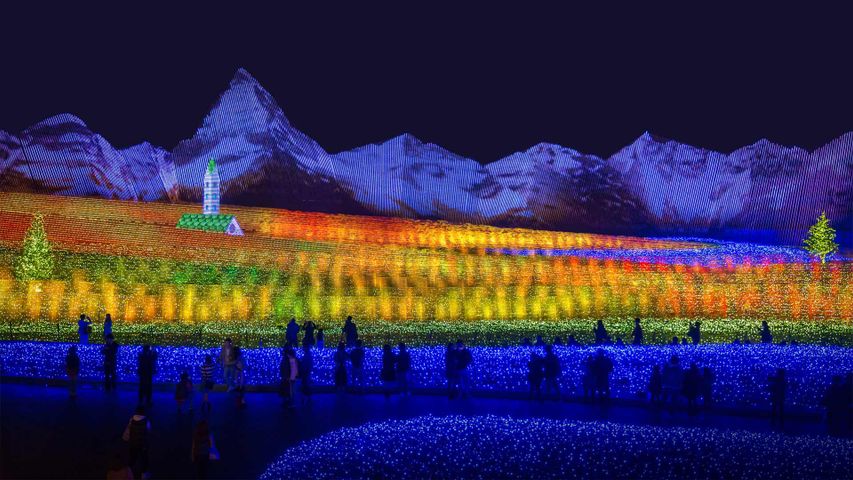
481, 82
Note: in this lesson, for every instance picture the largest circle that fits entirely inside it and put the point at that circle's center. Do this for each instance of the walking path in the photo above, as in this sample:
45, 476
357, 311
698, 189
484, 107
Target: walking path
47, 435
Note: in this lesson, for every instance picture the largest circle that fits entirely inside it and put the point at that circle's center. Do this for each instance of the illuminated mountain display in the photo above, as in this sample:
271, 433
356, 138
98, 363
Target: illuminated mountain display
762, 192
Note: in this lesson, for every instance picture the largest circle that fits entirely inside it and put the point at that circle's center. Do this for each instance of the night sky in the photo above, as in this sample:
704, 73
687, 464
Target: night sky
481, 82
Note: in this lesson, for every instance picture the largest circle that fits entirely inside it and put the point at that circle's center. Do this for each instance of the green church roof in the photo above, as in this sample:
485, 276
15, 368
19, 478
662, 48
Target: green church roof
211, 165
207, 223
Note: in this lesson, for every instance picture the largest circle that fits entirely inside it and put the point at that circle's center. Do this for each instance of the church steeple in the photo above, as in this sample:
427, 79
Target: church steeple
211, 189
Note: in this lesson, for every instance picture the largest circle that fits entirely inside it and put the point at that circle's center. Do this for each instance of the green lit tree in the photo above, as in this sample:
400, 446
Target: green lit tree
36, 260
821, 239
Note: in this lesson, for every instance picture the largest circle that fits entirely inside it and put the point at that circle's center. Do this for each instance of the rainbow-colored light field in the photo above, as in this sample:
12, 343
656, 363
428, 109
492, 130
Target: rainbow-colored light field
128, 259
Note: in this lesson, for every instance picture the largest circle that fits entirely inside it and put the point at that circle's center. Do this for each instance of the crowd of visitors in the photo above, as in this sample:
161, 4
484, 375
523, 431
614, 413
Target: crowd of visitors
668, 385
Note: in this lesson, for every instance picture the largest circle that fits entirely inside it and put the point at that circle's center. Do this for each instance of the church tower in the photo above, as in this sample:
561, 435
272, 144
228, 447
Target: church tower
211, 189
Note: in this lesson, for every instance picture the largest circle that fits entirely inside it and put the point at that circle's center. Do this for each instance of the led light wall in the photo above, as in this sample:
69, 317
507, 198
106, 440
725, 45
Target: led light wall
129, 259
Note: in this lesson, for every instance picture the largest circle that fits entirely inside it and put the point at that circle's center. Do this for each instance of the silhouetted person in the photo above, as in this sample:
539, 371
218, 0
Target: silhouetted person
655, 387
350, 332
694, 333
206, 383
137, 435
552, 372
356, 358
707, 390
321, 338
600, 333
110, 353
778, 386
835, 401
525, 342
451, 372
619, 342
202, 447
673, 381
388, 374
228, 362
572, 342
539, 341
145, 366
306, 370
239, 377
341, 367
535, 375
288, 371
308, 337
108, 326
588, 378
72, 369
766, 336
184, 391
692, 384
602, 367
674, 341
463, 361
291, 335
684, 341
84, 326
404, 367
558, 341
637, 334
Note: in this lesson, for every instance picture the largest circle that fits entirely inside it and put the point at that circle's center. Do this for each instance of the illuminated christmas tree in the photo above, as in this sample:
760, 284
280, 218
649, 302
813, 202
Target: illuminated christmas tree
821, 239
36, 260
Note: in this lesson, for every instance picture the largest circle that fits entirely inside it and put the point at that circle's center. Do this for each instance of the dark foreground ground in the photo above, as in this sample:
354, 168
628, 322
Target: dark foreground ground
47, 435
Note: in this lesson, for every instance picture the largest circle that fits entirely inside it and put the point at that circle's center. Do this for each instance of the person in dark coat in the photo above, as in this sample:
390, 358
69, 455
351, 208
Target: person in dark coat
695, 333
535, 375
673, 381
778, 386
404, 367
308, 338
110, 353
145, 369
552, 371
306, 369
637, 334
692, 385
137, 434
108, 326
350, 332
289, 372
341, 368
463, 361
72, 369
766, 336
655, 387
388, 374
600, 333
602, 366
539, 342
291, 335
356, 358
202, 446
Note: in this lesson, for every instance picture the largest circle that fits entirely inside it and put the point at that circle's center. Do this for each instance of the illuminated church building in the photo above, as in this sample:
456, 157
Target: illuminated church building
210, 220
